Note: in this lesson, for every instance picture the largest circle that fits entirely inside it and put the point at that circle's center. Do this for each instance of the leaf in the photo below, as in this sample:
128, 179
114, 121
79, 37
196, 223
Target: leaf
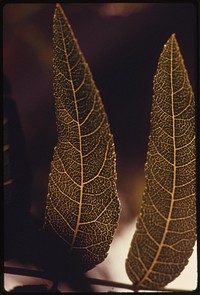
17, 188
6, 146
166, 227
82, 205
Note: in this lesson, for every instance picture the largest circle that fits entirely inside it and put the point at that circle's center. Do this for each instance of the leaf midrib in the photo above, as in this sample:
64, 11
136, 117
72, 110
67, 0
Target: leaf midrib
174, 176
80, 137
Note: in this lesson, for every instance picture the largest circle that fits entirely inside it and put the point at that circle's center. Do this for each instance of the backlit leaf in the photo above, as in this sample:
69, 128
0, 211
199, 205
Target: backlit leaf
82, 204
166, 227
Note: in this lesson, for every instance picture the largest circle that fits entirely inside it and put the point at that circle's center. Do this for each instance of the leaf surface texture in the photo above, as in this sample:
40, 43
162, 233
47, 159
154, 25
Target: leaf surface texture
82, 203
166, 226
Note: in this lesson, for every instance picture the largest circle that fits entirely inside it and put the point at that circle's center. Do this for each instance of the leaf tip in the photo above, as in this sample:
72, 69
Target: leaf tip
173, 37
171, 40
59, 8
58, 5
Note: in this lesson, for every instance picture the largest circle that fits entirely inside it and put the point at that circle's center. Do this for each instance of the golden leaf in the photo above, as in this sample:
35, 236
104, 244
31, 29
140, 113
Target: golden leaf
82, 204
166, 227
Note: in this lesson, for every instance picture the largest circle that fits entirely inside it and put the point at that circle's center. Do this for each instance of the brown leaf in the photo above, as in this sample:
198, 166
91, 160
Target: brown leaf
166, 227
82, 204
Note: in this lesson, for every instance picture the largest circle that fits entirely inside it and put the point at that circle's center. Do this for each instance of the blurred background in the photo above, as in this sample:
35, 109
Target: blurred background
121, 43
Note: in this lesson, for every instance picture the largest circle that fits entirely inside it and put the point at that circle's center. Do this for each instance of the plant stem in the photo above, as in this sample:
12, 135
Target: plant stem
26, 272
110, 283
92, 281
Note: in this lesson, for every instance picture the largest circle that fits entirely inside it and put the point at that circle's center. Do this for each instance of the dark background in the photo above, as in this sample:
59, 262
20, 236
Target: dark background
122, 44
